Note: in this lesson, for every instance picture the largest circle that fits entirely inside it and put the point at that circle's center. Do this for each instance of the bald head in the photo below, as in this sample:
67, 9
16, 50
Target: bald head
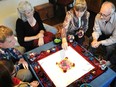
107, 7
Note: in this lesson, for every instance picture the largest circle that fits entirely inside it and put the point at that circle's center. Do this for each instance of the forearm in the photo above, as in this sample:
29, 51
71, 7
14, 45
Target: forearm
95, 35
64, 40
63, 33
108, 41
39, 35
30, 38
65, 25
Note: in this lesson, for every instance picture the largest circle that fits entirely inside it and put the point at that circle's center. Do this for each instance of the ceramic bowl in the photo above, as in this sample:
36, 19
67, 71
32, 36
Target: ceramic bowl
86, 85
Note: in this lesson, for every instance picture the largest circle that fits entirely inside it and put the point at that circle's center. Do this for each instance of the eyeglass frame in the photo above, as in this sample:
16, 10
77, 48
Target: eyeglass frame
103, 15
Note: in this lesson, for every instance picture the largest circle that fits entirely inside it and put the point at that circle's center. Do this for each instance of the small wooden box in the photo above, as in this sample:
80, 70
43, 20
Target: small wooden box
46, 10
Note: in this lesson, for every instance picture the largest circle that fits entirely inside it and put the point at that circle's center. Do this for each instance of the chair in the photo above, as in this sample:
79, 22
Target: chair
65, 3
10, 22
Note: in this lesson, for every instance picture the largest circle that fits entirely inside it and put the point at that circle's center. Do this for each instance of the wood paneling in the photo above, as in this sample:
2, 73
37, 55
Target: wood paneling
94, 5
46, 10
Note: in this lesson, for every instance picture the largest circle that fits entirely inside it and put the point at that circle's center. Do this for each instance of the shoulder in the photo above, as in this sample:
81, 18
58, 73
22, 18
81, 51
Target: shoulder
114, 16
36, 13
70, 12
37, 16
97, 17
19, 20
2, 51
114, 13
86, 14
19, 24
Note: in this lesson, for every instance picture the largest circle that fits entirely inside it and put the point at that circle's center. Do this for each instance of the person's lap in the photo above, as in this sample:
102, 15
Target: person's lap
24, 75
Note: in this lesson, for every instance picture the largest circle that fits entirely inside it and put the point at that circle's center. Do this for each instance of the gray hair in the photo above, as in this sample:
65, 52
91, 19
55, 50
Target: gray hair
22, 7
112, 5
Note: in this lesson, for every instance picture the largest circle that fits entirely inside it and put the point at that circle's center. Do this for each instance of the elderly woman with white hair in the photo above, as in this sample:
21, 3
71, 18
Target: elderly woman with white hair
75, 23
29, 27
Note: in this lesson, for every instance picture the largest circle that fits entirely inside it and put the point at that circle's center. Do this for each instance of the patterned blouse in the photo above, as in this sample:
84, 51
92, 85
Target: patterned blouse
73, 23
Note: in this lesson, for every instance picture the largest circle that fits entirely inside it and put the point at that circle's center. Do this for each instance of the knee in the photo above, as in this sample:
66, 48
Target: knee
53, 30
24, 75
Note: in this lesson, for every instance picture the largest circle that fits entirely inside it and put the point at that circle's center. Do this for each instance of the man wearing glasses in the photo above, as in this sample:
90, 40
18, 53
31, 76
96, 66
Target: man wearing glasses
104, 30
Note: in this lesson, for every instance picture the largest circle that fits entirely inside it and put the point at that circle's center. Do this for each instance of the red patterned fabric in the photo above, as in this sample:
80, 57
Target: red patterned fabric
48, 36
16, 81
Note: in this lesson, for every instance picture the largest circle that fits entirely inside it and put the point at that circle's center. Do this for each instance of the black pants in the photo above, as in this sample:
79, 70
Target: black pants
79, 40
107, 49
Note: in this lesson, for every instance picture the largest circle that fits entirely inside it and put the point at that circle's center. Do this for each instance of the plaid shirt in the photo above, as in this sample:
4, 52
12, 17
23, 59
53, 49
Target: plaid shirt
10, 54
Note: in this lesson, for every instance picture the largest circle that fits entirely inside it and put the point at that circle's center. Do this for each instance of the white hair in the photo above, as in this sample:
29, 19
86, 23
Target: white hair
22, 7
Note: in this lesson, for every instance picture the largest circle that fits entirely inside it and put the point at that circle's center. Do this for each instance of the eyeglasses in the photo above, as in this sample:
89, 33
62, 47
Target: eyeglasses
28, 11
104, 15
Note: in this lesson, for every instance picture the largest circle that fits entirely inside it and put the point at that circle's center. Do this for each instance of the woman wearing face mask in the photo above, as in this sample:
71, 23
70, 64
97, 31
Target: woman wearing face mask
75, 23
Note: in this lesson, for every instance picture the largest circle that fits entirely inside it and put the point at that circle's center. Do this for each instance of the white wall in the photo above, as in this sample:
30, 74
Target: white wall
8, 7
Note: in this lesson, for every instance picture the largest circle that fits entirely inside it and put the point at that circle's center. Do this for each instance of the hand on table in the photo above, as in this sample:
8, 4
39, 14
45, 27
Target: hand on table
65, 45
24, 63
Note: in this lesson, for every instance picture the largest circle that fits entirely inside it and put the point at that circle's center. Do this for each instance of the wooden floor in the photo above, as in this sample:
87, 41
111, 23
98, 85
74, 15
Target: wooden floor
53, 21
